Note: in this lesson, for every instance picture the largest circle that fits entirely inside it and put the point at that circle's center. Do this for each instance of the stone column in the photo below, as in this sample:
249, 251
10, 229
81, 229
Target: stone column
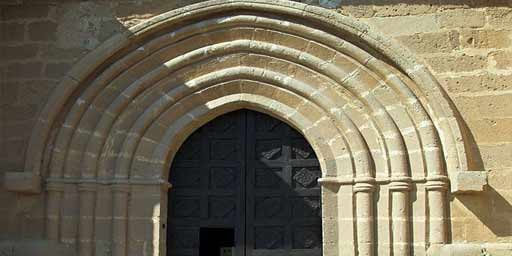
436, 196
145, 219
53, 215
166, 187
121, 193
364, 207
69, 214
103, 219
87, 194
331, 219
399, 189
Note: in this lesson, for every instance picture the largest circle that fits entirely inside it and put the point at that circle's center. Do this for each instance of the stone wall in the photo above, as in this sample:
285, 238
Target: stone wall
467, 45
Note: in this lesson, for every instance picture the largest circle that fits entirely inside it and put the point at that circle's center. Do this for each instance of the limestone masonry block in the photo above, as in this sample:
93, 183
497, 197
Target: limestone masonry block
462, 18
434, 42
468, 182
499, 17
21, 181
12, 31
457, 63
485, 38
502, 59
492, 249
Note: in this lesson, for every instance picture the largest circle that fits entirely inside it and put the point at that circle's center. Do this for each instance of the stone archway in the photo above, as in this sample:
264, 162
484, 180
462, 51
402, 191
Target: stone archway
385, 133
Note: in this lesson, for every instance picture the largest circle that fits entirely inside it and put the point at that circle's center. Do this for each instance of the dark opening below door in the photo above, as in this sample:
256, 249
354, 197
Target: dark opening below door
212, 240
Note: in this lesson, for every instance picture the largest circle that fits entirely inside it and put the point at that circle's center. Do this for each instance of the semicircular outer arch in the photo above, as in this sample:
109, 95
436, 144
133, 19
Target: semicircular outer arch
374, 115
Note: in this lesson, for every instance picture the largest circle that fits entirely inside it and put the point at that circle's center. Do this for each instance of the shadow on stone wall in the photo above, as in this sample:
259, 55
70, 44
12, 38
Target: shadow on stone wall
491, 209
40, 41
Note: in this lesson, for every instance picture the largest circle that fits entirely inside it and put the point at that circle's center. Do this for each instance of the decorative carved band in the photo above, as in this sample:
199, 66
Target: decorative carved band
123, 188
440, 183
400, 185
437, 185
364, 187
434, 180
91, 184
53, 186
87, 187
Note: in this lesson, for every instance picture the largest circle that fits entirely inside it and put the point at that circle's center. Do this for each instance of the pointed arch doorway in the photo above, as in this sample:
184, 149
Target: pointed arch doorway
249, 181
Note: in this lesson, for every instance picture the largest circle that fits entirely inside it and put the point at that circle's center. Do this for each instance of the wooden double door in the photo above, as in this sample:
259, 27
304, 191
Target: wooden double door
253, 175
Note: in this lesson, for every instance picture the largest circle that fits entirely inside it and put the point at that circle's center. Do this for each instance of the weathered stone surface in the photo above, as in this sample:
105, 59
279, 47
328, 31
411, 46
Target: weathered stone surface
29, 11
501, 59
397, 8
500, 180
463, 18
24, 70
484, 106
12, 31
8, 93
454, 4
435, 42
485, 39
72, 34
42, 30
457, 63
57, 70
35, 248
499, 17
52, 52
357, 10
468, 182
478, 83
21, 52
491, 130
394, 26
35, 91
20, 181
496, 156
472, 249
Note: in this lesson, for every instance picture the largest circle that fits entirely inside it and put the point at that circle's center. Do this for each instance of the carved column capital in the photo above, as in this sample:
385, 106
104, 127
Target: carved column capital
87, 187
120, 188
366, 184
438, 183
55, 186
400, 183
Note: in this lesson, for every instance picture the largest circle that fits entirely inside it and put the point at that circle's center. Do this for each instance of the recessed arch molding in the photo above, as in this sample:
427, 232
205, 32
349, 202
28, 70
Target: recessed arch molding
386, 135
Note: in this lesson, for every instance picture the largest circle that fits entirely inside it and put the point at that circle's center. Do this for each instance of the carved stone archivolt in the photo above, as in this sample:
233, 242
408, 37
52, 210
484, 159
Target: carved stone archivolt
384, 132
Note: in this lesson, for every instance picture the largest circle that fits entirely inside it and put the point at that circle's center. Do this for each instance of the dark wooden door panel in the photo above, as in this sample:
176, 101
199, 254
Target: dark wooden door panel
250, 172
283, 197
208, 180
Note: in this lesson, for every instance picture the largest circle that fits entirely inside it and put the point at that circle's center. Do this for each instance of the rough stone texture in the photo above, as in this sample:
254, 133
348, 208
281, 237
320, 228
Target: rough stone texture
35, 248
435, 42
457, 63
501, 59
466, 44
469, 181
472, 250
462, 19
